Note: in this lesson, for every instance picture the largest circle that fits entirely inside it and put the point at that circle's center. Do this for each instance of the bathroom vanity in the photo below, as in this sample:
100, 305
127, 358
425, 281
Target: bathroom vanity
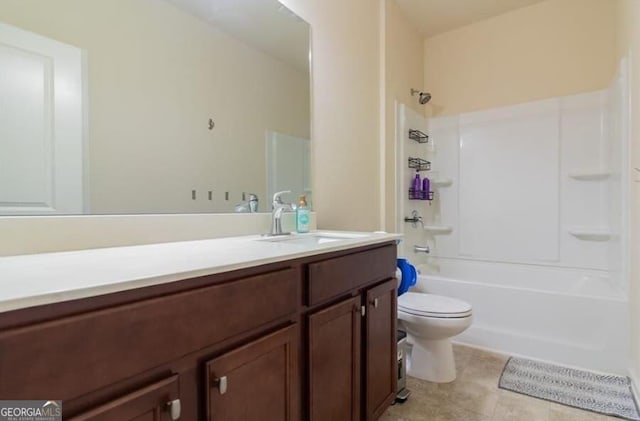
259, 330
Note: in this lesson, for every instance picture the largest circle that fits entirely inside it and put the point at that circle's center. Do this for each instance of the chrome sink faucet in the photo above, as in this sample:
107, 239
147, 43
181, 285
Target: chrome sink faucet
276, 215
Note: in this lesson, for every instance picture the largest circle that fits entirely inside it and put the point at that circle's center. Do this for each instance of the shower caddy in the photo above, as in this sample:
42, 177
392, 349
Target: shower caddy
419, 164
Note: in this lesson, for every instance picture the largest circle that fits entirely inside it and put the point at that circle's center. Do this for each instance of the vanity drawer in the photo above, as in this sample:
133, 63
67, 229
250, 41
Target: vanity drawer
74, 355
333, 277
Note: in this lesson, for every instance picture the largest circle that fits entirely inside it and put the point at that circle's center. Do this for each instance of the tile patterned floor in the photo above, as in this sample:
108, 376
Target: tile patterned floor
475, 396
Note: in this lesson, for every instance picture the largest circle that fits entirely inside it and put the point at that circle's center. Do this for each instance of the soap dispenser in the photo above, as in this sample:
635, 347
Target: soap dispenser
303, 215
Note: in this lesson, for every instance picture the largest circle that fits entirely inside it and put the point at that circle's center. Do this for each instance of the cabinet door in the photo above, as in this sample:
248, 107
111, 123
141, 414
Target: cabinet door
257, 381
380, 340
334, 362
157, 402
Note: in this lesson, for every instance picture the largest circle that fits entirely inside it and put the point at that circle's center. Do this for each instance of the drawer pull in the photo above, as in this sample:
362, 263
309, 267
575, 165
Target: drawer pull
174, 409
221, 384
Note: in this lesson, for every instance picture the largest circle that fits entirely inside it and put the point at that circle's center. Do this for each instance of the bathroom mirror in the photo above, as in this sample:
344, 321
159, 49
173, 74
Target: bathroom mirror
151, 106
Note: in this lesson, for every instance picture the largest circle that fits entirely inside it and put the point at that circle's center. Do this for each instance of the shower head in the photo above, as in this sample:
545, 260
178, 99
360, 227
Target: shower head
423, 97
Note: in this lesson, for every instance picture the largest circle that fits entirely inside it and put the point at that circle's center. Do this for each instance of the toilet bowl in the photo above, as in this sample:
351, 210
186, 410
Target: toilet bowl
430, 321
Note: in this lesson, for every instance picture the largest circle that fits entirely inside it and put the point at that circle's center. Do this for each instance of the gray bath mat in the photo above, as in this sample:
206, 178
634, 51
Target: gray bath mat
604, 394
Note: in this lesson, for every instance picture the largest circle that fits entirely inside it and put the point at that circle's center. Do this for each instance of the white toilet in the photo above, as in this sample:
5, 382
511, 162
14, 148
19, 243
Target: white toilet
430, 321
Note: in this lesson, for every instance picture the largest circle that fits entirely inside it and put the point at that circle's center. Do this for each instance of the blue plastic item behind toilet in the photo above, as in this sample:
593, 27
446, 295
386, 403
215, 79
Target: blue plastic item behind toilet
409, 275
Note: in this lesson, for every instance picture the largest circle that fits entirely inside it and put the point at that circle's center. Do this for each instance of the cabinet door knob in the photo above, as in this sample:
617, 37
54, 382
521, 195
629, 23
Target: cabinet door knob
174, 409
375, 303
221, 384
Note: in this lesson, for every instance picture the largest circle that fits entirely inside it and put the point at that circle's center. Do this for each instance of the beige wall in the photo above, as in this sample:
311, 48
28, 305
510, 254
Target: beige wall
404, 69
346, 110
554, 48
629, 45
156, 75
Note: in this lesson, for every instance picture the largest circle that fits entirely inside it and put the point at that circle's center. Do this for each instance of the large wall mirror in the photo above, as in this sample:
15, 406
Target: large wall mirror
152, 106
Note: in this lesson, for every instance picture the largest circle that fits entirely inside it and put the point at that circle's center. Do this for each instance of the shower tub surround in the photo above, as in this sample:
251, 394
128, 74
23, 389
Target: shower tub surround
534, 205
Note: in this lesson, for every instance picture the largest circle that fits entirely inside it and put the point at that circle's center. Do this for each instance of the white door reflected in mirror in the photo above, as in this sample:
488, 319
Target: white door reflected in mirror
41, 168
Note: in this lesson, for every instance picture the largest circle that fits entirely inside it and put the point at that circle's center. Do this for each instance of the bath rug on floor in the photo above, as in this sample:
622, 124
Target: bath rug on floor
604, 394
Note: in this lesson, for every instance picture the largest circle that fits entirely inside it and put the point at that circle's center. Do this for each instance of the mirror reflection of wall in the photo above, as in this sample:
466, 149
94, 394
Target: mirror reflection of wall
118, 106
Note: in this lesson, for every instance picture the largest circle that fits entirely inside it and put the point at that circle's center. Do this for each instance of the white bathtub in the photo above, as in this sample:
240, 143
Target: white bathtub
569, 316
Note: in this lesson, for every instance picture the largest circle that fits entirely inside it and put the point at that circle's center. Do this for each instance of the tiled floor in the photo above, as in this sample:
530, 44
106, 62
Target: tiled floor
475, 396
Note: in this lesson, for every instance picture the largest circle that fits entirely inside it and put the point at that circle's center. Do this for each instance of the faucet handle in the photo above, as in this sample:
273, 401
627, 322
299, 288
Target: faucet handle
276, 197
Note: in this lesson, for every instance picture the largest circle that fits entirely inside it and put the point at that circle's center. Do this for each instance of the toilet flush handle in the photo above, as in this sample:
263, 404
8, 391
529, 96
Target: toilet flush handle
419, 249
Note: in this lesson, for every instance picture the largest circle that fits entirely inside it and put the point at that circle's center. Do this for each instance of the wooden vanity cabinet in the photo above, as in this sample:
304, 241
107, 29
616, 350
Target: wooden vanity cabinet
352, 343
352, 364
93, 349
305, 339
105, 360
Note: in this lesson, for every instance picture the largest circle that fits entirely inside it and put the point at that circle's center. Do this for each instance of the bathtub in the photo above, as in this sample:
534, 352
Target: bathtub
569, 316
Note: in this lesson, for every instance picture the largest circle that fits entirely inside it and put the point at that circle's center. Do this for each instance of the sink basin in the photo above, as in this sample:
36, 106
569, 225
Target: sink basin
315, 238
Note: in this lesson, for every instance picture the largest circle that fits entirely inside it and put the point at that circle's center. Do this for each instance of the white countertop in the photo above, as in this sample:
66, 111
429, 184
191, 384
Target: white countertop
37, 279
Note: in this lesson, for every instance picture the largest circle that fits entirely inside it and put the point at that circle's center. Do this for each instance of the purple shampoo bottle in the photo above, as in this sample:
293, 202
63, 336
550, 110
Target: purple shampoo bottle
426, 188
416, 186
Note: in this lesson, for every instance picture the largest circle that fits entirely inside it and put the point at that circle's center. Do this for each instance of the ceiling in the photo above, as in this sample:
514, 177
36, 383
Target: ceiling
265, 24
433, 17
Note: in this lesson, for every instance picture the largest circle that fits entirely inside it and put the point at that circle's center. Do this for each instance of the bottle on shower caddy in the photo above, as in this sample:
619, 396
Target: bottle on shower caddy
416, 187
426, 188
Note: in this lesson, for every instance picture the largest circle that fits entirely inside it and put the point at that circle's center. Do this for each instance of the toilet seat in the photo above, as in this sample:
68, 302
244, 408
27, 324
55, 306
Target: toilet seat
430, 305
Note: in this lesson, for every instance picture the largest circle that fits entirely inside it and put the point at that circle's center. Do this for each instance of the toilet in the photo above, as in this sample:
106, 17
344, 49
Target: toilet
430, 321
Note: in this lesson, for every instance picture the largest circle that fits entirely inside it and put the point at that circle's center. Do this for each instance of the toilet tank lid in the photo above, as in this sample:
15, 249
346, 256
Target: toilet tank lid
430, 304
